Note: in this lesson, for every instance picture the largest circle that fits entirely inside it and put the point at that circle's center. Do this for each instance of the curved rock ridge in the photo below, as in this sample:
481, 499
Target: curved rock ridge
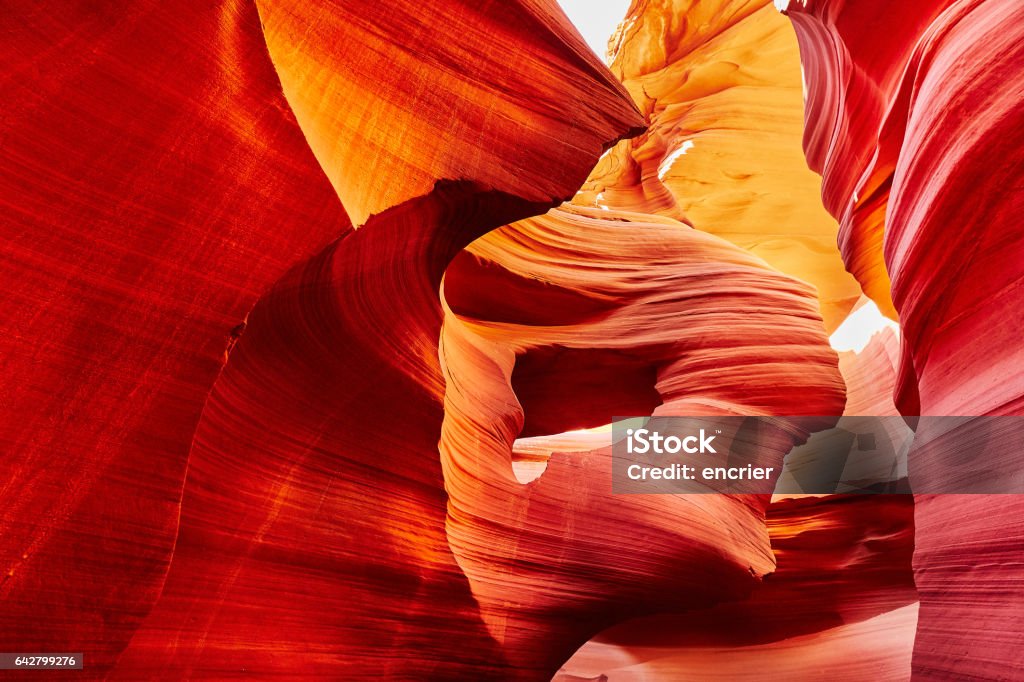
669, 321
393, 96
866, 650
845, 579
313, 514
923, 127
158, 185
721, 85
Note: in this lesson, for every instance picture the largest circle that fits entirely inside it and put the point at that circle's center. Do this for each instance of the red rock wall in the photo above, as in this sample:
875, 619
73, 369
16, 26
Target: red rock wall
155, 184
914, 119
158, 183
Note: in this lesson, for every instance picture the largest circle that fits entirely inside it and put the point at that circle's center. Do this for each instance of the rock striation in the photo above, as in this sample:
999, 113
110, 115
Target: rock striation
918, 133
315, 316
548, 573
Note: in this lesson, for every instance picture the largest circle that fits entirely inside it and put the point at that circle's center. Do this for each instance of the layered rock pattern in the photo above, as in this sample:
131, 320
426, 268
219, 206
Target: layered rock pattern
158, 183
309, 367
850, 607
155, 184
548, 573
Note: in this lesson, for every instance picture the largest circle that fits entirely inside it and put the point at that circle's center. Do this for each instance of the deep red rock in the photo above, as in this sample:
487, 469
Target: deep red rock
154, 183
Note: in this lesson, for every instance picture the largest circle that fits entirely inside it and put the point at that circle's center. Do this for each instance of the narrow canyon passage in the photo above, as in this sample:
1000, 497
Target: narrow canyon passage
320, 318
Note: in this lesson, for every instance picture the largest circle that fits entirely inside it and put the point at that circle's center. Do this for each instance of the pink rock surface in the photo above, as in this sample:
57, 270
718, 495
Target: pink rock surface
918, 132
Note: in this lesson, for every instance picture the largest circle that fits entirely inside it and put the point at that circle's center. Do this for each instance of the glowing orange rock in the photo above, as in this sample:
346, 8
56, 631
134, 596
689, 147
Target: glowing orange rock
393, 96
720, 82
327, 508
387, 478
553, 561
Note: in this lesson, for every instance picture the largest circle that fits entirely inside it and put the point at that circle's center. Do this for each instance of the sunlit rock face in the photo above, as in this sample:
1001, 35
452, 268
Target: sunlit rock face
393, 97
721, 85
918, 133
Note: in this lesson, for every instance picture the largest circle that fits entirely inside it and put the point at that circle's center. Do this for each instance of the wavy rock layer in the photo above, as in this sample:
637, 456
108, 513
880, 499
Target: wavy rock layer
313, 515
546, 574
398, 471
923, 127
867, 650
319, 499
720, 82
